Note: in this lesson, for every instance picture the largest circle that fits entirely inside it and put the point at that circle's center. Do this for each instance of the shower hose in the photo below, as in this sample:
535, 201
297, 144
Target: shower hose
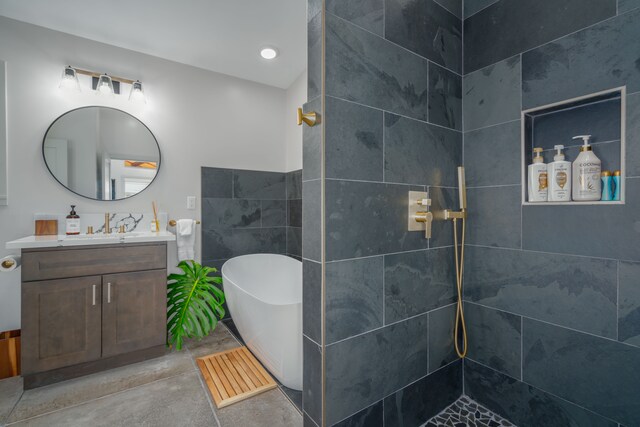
459, 259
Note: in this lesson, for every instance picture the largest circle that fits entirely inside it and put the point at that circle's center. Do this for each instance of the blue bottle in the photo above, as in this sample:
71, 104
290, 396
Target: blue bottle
607, 190
616, 185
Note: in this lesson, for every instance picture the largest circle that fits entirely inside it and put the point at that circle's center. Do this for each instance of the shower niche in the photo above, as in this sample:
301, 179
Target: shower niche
601, 115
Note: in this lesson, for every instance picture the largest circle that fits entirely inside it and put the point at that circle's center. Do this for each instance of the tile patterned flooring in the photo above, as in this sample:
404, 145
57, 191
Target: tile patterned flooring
167, 391
465, 412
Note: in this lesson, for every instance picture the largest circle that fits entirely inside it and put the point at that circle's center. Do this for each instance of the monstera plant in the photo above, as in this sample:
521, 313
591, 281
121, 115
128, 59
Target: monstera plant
194, 303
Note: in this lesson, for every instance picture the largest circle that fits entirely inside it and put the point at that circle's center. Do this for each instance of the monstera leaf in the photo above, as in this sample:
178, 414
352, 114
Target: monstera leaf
194, 303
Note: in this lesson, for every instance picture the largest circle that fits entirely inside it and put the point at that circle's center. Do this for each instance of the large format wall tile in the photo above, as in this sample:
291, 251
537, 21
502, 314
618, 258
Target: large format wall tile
627, 5
354, 297
529, 23
312, 380
312, 300
362, 370
419, 153
441, 330
353, 142
367, 14
494, 338
426, 28
312, 145
453, 6
492, 95
613, 232
294, 241
365, 68
422, 400
493, 155
629, 300
596, 373
294, 184
274, 213
224, 243
633, 135
311, 215
359, 213
369, 417
217, 183
231, 213
576, 292
494, 216
416, 282
523, 404
259, 185
600, 57
294, 213
314, 50
474, 6
445, 97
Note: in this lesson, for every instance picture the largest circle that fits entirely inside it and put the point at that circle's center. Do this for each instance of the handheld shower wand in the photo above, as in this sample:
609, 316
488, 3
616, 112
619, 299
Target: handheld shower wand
459, 260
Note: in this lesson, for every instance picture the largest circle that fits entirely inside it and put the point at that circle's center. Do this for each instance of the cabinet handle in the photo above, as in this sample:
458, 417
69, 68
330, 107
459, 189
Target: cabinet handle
109, 293
94, 294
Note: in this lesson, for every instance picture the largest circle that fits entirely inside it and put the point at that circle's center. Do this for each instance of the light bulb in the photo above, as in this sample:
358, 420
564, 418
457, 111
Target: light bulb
105, 86
137, 93
69, 80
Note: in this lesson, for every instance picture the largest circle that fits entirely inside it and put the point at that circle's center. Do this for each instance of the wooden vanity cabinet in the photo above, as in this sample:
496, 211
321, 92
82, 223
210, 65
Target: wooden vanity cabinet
75, 323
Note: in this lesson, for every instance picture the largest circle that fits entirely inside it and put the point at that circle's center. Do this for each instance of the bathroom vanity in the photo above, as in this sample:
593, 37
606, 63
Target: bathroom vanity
90, 307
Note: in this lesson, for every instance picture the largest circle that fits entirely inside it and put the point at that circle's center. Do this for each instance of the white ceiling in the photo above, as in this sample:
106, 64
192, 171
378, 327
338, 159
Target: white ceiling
219, 35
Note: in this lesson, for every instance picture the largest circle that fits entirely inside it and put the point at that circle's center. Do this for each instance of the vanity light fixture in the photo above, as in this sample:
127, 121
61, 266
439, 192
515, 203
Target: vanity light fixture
69, 79
137, 93
269, 52
105, 85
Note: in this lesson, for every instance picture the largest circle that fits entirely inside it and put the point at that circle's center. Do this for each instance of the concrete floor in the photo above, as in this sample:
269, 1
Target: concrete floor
167, 391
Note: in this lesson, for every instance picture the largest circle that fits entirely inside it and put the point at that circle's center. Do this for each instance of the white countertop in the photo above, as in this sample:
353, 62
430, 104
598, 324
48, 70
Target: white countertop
89, 239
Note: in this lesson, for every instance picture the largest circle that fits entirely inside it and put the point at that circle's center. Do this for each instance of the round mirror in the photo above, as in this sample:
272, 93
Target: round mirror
101, 153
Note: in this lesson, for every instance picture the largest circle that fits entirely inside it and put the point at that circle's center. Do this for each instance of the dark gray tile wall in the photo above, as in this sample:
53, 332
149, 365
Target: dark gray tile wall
528, 23
551, 292
243, 212
392, 123
293, 213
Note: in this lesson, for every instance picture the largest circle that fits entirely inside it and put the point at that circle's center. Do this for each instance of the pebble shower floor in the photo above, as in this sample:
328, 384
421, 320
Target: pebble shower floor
465, 412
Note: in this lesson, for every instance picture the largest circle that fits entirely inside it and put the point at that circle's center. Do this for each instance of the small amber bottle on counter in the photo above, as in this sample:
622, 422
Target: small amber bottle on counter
73, 222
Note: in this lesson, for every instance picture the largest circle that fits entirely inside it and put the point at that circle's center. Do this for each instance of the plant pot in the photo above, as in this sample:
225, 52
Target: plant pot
9, 354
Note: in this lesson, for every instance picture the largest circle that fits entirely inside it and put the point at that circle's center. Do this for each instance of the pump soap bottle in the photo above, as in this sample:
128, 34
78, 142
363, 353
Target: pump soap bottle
73, 222
586, 173
537, 177
559, 172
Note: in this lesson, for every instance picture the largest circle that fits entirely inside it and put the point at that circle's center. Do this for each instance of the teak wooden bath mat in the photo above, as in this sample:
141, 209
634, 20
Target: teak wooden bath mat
234, 375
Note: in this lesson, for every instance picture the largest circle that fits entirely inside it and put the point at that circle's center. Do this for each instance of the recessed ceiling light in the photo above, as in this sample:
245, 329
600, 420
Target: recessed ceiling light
269, 52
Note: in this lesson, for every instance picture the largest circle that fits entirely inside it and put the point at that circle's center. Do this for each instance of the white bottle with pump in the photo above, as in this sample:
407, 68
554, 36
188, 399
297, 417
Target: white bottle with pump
559, 172
537, 177
586, 173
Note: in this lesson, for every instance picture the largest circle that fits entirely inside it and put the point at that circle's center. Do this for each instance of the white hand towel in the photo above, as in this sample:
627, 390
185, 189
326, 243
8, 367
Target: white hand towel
186, 239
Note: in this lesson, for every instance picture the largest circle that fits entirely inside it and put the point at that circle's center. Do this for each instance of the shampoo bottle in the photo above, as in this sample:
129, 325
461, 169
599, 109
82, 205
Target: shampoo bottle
559, 172
616, 185
586, 173
537, 178
607, 186
73, 222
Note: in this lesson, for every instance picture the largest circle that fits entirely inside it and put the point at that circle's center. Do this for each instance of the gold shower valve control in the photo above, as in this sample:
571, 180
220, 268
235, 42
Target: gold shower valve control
419, 218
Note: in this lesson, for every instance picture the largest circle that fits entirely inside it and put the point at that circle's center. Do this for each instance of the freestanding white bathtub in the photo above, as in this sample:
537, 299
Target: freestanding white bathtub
264, 295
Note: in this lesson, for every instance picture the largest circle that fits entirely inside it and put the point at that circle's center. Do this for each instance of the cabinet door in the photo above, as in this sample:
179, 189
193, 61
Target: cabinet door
60, 323
134, 311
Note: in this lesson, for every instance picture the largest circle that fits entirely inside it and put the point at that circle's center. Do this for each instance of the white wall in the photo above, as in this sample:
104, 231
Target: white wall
296, 96
200, 118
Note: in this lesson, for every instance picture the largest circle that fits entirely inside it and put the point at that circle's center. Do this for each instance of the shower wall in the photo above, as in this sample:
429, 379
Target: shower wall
552, 293
392, 123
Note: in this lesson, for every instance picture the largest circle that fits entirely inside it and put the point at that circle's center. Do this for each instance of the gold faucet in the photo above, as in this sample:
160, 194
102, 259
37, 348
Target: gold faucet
107, 226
